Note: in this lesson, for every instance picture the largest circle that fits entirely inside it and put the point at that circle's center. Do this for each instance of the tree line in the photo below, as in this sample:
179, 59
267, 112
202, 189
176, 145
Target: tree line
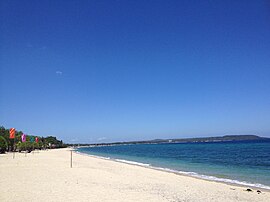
16, 144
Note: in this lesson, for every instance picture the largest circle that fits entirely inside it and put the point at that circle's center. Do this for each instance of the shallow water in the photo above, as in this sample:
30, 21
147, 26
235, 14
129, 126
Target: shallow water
246, 162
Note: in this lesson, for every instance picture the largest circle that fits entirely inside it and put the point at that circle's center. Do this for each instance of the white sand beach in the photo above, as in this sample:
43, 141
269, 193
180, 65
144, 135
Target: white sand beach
47, 176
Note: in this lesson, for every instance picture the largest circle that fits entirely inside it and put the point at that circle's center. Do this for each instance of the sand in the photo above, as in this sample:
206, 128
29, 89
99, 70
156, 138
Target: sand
47, 176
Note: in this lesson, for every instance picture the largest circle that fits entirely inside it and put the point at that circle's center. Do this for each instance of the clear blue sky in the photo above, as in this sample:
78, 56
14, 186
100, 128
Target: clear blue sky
92, 71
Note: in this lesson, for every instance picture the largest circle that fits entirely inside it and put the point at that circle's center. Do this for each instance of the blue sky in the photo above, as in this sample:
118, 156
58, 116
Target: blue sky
92, 71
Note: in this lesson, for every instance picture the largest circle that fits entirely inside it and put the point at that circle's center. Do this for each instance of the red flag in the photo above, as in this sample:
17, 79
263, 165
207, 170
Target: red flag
12, 133
36, 139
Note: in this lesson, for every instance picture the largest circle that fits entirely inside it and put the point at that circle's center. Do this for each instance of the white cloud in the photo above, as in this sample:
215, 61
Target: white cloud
101, 138
59, 72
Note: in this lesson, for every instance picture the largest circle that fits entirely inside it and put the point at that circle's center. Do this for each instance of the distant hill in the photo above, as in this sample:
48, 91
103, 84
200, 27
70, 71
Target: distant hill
187, 140
219, 139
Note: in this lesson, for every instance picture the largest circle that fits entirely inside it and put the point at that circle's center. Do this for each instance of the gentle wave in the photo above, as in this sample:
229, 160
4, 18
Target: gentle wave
192, 174
99, 157
213, 178
132, 162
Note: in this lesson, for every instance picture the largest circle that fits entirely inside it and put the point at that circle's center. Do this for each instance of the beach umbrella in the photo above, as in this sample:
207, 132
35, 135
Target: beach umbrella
12, 133
23, 137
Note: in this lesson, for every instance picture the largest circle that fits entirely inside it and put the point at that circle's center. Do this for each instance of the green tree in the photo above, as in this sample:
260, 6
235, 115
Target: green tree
13, 144
3, 144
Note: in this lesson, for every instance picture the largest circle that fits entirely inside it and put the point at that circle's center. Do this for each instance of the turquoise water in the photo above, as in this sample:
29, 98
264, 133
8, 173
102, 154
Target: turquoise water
246, 163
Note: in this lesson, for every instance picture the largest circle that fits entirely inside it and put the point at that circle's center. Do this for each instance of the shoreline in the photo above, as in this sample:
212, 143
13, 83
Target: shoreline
47, 176
181, 173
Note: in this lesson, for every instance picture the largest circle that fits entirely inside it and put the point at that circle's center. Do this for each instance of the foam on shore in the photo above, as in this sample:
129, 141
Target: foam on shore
192, 174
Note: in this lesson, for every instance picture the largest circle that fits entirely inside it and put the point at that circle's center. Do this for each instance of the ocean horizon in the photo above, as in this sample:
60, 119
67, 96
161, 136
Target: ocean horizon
244, 163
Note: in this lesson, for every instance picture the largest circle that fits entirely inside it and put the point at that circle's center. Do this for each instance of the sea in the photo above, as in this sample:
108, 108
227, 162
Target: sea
243, 162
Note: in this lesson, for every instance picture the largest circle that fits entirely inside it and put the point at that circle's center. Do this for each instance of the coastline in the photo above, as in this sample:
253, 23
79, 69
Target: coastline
237, 183
47, 176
